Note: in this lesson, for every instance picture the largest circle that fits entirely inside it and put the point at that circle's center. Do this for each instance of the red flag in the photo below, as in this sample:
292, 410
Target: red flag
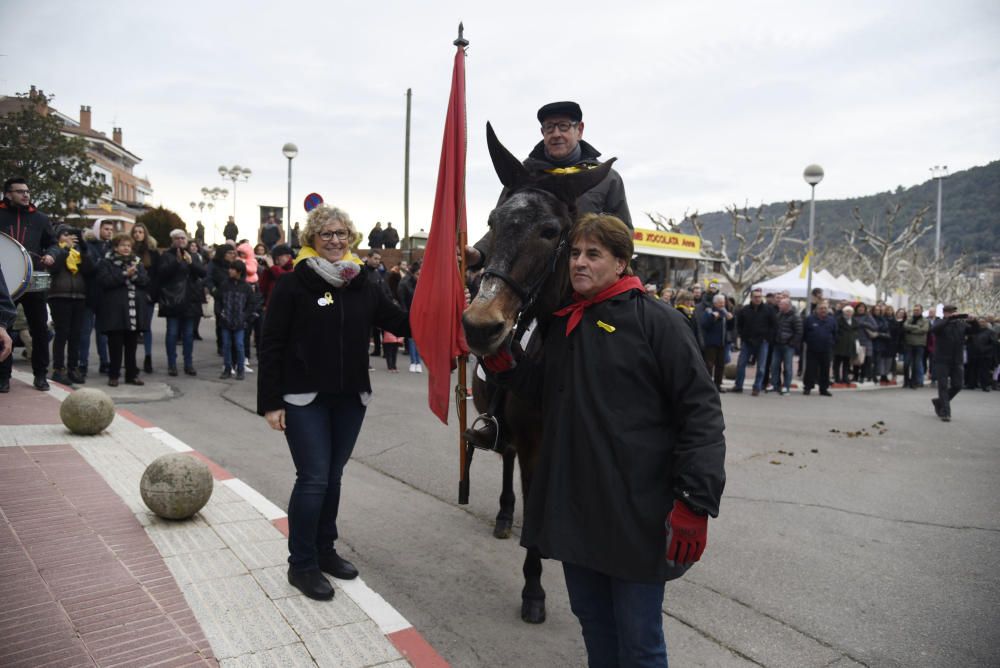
436, 313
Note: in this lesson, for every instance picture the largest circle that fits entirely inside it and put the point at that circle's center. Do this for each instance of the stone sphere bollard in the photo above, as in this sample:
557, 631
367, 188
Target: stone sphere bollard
176, 486
730, 371
87, 411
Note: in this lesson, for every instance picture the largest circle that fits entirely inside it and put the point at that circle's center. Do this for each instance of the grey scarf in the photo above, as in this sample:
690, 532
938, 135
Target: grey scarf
570, 160
338, 274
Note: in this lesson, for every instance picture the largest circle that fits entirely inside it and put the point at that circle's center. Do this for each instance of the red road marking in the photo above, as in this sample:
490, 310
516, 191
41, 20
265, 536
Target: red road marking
218, 472
417, 651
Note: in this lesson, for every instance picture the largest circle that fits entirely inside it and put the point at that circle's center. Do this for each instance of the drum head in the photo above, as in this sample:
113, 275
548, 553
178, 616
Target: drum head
16, 265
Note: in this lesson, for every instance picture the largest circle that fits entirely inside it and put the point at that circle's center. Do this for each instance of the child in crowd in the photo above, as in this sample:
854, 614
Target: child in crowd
235, 308
390, 348
66, 303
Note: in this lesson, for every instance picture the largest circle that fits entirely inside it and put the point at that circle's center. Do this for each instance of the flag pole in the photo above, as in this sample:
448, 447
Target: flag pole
461, 389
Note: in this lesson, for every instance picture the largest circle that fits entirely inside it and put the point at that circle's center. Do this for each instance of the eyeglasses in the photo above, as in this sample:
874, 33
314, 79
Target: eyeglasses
20, 191
328, 235
562, 126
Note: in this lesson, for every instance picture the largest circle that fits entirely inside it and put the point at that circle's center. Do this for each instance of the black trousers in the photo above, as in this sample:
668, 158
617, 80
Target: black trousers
841, 369
67, 315
376, 341
37, 316
715, 358
391, 350
119, 342
817, 369
950, 377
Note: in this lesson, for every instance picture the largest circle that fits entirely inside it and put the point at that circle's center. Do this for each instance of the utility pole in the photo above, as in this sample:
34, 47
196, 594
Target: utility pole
406, 182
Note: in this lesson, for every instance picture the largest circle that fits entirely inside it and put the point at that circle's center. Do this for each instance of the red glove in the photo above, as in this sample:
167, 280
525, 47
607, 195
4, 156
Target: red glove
500, 361
687, 534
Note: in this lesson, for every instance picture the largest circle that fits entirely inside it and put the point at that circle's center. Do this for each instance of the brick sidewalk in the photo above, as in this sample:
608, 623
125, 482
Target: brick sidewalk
82, 583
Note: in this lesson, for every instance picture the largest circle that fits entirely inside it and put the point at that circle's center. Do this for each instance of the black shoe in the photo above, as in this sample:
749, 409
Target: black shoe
60, 376
937, 406
226, 374
825, 393
189, 370
312, 583
4, 385
337, 566
134, 381
172, 371
112, 382
483, 435
241, 375
77, 377
807, 391
736, 390
41, 384
945, 418
147, 365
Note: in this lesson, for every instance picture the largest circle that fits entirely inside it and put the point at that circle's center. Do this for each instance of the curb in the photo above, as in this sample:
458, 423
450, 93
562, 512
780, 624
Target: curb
410, 643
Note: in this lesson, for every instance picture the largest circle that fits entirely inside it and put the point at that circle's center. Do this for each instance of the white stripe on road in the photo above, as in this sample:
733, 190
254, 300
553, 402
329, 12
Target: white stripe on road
376, 607
167, 439
255, 499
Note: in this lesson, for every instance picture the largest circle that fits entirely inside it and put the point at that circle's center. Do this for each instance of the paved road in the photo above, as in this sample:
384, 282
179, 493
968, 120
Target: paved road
831, 550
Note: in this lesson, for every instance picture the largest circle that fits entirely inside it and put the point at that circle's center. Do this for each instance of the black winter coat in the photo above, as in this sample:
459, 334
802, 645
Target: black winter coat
66, 284
632, 421
95, 249
235, 304
308, 346
820, 333
847, 336
30, 228
179, 291
756, 323
949, 340
115, 312
789, 329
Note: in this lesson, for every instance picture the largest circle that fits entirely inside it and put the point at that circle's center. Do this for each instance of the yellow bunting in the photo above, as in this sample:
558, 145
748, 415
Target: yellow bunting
605, 326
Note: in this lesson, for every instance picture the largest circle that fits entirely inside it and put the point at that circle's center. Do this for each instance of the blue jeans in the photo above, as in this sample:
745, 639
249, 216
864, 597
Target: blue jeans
783, 355
232, 338
913, 365
760, 351
89, 320
622, 621
183, 327
414, 353
321, 438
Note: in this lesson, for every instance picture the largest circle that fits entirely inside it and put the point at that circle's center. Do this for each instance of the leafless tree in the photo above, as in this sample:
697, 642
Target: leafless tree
663, 223
927, 282
878, 250
749, 255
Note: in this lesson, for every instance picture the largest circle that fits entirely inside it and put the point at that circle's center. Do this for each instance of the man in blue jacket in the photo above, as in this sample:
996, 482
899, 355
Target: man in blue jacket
820, 331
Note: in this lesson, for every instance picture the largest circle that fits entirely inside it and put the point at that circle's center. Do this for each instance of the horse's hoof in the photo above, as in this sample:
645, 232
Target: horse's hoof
533, 611
502, 529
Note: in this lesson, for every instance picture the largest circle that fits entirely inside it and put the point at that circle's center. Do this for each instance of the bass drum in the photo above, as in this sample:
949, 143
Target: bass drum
16, 265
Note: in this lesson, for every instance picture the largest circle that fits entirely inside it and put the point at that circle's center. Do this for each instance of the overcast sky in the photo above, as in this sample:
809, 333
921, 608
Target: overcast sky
704, 104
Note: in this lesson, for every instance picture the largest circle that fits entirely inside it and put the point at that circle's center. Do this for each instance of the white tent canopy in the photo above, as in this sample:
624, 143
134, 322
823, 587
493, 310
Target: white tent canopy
794, 281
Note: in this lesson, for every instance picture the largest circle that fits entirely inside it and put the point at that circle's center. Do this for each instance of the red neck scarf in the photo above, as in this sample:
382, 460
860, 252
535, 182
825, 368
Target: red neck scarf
579, 305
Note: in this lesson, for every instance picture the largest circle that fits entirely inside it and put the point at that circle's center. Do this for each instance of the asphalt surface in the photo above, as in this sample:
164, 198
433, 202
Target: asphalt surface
877, 544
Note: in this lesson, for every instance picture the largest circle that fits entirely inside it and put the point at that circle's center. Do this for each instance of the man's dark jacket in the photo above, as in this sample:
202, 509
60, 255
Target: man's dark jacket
180, 292
390, 237
632, 422
789, 332
309, 347
949, 340
820, 333
756, 323
30, 228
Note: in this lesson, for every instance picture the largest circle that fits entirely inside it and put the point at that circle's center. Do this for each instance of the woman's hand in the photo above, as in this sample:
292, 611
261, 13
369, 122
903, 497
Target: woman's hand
276, 419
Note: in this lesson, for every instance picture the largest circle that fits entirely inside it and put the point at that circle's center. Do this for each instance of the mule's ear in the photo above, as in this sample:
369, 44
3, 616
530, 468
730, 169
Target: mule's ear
510, 170
568, 187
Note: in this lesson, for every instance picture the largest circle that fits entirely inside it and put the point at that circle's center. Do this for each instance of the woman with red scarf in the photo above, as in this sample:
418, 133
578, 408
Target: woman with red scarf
632, 462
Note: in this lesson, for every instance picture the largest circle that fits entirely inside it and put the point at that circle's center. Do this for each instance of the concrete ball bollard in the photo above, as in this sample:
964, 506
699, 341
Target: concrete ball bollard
730, 371
176, 486
87, 411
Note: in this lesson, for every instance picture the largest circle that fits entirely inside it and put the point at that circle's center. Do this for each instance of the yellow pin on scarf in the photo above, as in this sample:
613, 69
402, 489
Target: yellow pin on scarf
325, 300
605, 326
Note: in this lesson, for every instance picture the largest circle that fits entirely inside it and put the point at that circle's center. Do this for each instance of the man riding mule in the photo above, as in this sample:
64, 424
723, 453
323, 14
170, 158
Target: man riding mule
630, 421
561, 151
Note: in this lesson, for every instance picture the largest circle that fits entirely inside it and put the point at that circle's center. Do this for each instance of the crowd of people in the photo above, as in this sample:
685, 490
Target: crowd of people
842, 342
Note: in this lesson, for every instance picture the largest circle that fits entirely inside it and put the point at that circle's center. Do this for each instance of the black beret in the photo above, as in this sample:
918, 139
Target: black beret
570, 109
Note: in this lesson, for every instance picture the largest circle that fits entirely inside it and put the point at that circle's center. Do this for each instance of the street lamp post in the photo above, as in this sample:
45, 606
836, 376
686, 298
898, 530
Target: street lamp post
235, 174
214, 194
289, 150
940, 173
813, 174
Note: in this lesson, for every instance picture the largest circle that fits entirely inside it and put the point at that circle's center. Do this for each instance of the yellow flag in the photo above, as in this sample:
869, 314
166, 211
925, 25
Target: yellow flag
107, 207
805, 265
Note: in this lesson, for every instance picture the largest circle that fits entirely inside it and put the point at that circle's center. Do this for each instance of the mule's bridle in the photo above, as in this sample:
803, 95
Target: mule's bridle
529, 296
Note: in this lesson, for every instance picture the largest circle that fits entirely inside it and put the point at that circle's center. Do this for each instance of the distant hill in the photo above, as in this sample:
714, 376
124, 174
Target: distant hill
970, 218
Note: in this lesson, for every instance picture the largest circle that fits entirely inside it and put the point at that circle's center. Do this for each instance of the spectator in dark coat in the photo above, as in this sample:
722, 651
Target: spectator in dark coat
819, 335
982, 349
376, 238
145, 248
98, 243
408, 286
123, 305
281, 256
844, 347
180, 295
235, 308
67, 303
390, 237
787, 339
713, 333
756, 324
